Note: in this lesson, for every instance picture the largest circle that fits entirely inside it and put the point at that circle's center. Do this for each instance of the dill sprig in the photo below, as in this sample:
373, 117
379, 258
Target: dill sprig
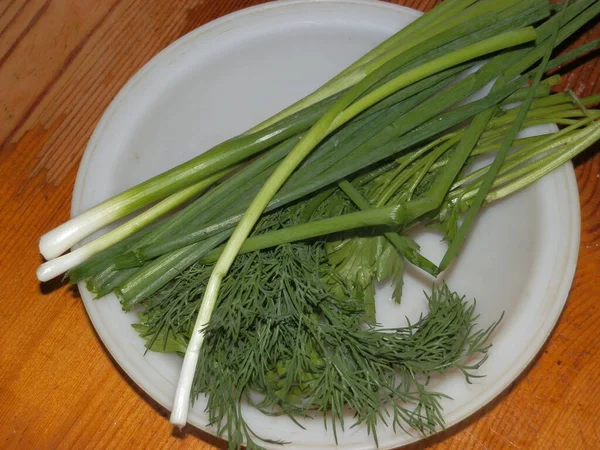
289, 338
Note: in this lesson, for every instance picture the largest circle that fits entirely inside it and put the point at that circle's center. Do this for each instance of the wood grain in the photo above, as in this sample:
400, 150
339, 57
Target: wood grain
61, 63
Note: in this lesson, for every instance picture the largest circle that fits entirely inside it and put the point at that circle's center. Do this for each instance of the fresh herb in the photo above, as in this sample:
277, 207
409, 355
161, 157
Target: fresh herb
288, 338
265, 278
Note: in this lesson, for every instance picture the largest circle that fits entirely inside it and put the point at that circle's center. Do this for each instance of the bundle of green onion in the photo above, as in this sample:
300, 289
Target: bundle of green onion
267, 272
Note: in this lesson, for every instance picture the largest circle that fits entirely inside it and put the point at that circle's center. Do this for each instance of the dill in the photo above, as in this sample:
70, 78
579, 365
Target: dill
289, 338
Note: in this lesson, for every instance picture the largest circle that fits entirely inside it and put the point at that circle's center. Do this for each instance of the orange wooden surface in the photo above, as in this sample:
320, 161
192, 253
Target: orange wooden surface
61, 63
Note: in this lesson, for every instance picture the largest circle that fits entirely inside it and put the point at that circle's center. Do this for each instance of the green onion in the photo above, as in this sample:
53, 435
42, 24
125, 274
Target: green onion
385, 145
229, 153
60, 265
339, 114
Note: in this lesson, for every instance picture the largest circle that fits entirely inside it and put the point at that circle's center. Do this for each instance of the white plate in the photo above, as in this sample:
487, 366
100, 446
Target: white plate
228, 75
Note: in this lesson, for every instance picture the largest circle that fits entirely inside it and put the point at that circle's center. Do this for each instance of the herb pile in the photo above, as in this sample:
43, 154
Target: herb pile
265, 278
291, 336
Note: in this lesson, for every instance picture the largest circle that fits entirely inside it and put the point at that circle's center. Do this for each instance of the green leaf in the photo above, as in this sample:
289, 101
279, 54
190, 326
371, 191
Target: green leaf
165, 341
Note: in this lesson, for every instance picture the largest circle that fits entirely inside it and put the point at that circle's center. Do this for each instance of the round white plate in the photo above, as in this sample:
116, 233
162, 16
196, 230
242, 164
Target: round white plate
226, 76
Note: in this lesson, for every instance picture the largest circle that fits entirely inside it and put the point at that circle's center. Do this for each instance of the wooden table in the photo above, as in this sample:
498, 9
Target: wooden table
61, 63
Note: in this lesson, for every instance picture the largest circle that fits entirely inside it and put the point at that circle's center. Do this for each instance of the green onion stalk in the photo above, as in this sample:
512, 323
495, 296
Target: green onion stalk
557, 149
488, 24
347, 107
311, 177
261, 137
62, 264
541, 112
